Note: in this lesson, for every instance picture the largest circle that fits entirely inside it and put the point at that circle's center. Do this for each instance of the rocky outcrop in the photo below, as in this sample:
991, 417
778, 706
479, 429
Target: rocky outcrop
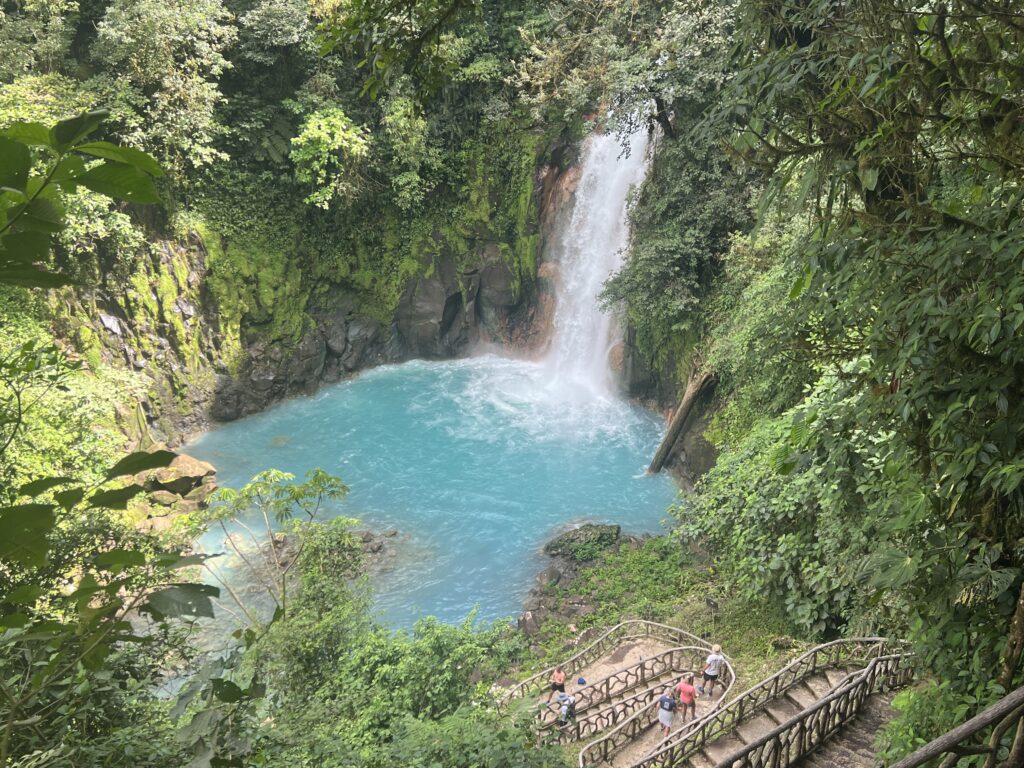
217, 332
552, 597
182, 488
584, 543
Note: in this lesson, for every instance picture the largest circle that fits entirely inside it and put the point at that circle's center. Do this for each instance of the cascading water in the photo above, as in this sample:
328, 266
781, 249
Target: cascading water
478, 462
590, 250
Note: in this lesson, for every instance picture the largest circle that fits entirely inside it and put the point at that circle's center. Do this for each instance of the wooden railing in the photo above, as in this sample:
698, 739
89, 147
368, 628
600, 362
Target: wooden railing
999, 748
652, 675
695, 736
806, 731
643, 718
606, 643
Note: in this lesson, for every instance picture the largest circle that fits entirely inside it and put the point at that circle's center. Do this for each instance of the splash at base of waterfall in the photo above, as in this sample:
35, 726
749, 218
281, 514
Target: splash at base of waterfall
477, 462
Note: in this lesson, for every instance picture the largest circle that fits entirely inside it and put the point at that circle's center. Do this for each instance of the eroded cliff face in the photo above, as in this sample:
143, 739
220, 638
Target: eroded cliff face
212, 341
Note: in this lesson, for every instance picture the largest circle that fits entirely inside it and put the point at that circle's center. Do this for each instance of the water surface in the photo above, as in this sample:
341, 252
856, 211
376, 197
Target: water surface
478, 462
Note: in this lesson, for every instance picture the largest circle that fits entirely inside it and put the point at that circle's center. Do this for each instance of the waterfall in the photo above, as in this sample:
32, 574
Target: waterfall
589, 249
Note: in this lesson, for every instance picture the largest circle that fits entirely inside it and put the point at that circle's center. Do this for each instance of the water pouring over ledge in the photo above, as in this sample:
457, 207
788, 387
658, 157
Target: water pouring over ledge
590, 249
478, 462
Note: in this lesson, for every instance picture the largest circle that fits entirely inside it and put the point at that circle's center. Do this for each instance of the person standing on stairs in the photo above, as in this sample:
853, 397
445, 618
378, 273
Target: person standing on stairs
712, 668
557, 681
687, 696
666, 711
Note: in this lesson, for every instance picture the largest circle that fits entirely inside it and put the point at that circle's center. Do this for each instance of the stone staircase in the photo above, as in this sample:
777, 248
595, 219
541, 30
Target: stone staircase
797, 699
821, 711
772, 724
854, 746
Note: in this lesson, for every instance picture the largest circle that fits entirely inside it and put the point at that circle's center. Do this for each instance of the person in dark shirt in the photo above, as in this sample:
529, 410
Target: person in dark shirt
666, 711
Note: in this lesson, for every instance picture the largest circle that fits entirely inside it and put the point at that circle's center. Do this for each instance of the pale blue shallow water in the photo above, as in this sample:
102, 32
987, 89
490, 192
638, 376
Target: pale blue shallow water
477, 462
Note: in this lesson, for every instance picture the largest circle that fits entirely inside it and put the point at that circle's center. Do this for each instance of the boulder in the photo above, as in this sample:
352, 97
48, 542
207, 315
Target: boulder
335, 330
550, 576
362, 334
184, 475
584, 543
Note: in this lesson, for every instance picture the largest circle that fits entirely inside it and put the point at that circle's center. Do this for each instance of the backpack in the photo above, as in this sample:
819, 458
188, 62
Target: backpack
570, 710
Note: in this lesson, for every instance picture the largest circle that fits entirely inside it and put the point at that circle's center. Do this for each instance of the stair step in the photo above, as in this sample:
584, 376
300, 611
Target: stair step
701, 760
801, 696
724, 747
783, 709
753, 729
835, 676
819, 685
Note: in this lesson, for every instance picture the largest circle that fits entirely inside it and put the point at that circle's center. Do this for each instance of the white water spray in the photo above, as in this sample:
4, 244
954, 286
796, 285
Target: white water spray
589, 250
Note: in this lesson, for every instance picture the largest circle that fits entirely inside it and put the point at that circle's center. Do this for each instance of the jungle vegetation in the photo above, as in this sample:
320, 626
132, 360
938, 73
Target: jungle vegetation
831, 230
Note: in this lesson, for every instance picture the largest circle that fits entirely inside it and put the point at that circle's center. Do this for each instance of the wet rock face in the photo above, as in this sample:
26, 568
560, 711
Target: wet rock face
339, 343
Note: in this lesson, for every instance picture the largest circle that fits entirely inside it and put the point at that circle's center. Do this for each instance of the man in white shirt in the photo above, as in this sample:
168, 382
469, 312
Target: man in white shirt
712, 669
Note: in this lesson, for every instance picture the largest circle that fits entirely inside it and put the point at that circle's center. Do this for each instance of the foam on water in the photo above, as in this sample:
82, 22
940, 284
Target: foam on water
468, 458
480, 461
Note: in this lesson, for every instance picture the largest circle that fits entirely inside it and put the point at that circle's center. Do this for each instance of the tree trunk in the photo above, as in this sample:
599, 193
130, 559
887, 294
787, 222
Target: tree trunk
1014, 645
696, 387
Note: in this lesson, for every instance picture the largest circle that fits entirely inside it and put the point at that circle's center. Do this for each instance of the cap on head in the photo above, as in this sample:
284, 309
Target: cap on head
581, 681
716, 648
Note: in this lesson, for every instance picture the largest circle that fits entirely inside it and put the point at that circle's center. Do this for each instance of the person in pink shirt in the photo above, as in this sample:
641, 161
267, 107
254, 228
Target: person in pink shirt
687, 695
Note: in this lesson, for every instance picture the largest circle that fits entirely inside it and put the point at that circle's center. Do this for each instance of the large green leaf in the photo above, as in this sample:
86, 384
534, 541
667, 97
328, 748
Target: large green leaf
116, 498
15, 162
33, 134
40, 214
119, 557
126, 155
67, 132
26, 247
182, 600
32, 277
24, 533
140, 461
36, 487
120, 181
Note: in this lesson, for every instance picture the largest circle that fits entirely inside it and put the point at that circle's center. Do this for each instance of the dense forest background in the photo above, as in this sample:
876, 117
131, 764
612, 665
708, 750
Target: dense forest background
830, 236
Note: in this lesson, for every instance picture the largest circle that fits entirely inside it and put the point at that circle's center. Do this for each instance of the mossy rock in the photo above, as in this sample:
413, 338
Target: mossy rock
584, 543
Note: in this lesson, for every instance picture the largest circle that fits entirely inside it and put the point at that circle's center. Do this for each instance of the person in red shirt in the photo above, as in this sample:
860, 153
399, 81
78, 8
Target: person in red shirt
687, 695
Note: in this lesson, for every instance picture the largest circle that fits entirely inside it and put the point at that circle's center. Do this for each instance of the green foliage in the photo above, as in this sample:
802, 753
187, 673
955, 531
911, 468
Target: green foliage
409, 37
38, 165
71, 574
327, 154
783, 537
173, 54
469, 738
754, 341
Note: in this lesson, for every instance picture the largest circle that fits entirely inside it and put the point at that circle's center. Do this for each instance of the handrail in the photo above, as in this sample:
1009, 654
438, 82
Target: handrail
599, 750
689, 740
1006, 712
807, 730
650, 672
611, 638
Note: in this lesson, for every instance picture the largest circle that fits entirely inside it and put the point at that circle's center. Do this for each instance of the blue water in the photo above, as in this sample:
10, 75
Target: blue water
476, 462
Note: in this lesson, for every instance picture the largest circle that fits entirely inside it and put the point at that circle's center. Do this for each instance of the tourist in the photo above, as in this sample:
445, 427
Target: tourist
712, 668
567, 711
666, 710
557, 681
687, 696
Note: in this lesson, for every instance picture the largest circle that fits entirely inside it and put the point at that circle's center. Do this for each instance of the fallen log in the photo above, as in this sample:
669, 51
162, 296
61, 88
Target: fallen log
696, 388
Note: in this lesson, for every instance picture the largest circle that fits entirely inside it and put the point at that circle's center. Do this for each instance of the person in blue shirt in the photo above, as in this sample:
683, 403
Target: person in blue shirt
666, 711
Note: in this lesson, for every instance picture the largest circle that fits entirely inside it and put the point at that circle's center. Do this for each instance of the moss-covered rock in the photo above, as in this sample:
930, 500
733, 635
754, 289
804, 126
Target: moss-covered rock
584, 543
